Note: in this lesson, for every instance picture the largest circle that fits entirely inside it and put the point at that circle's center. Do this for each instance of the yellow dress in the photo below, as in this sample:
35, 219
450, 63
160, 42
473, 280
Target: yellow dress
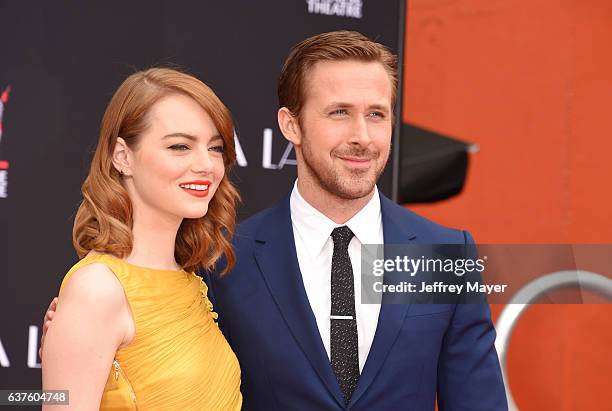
178, 359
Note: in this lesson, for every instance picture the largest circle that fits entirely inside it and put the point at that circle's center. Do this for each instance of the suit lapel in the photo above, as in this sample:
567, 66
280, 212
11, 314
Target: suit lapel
391, 317
277, 260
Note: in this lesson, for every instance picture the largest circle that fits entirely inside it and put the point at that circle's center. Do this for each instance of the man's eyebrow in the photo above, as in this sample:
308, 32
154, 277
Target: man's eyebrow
380, 107
340, 104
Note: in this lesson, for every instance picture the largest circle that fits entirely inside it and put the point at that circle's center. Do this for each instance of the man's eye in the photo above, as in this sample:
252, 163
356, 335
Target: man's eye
179, 147
340, 112
218, 149
377, 114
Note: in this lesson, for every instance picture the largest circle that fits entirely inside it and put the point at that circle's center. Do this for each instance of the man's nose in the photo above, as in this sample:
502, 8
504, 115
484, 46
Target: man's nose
359, 131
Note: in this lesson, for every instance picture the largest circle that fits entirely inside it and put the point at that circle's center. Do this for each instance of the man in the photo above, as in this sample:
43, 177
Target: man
291, 309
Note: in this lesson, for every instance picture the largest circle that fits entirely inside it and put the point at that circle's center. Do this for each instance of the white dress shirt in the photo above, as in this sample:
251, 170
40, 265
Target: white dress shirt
314, 247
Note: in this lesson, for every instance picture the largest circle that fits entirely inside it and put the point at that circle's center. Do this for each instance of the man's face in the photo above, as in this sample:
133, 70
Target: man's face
345, 126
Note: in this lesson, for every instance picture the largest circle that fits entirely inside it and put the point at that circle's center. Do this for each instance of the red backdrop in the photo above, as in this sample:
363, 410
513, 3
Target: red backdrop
530, 82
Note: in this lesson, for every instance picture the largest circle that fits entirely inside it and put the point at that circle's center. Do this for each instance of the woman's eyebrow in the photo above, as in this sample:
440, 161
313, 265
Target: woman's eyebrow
185, 135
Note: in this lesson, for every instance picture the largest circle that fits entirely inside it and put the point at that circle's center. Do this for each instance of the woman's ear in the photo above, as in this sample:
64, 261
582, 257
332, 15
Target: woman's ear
122, 157
289, 126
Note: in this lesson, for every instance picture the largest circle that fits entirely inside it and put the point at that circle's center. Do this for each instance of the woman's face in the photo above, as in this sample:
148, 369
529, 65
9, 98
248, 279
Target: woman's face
177, 164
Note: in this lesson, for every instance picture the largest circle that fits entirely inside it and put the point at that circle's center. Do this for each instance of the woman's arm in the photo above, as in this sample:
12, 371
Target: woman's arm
92, 320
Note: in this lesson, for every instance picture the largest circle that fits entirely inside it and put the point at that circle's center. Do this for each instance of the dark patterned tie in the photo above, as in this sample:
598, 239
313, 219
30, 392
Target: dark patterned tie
343, 335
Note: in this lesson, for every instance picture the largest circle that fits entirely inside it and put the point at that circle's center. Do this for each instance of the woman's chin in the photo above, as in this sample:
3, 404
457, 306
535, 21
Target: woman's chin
195, 214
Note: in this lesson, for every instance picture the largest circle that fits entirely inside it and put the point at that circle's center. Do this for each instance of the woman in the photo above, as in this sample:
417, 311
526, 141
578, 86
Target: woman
134, 328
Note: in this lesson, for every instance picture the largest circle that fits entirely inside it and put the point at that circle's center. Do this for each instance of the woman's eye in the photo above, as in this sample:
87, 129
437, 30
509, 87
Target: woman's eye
218, 149
179, 147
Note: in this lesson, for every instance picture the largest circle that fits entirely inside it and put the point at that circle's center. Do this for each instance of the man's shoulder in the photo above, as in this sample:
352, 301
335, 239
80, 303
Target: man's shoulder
424, 229
250, 226
247, 230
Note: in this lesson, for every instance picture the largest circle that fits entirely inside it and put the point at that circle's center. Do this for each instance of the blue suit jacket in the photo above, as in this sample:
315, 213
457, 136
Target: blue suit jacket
418, 350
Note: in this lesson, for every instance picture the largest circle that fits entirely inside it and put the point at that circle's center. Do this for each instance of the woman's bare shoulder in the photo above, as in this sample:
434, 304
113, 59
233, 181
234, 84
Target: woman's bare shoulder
94, 283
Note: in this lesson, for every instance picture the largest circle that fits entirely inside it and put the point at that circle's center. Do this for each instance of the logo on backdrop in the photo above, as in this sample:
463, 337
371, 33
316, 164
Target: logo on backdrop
342, 8
4, 164
269, 160
266, 158
32, 359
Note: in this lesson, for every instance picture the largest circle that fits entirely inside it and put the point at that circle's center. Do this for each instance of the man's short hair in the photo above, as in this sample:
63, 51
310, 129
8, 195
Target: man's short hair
332, 46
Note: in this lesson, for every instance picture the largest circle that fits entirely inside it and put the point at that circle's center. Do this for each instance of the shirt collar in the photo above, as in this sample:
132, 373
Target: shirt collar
315, 228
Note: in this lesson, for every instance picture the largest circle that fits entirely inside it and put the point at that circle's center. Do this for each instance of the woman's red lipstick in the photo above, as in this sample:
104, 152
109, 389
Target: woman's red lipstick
197, 188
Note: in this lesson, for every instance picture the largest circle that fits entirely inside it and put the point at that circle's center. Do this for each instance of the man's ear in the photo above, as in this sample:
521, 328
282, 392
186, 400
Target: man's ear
289, 126
122, 157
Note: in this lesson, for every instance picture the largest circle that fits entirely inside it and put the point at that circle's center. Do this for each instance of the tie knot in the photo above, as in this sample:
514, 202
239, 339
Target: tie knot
342, 236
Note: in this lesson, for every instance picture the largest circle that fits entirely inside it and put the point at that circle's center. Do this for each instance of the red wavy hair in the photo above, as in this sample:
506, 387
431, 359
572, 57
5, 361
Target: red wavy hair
104, 220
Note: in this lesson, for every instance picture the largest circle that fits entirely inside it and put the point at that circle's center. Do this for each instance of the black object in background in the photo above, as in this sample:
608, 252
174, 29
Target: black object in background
432, 167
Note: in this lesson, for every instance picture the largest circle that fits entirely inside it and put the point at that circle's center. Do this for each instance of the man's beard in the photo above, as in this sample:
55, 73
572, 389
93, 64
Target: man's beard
358, 184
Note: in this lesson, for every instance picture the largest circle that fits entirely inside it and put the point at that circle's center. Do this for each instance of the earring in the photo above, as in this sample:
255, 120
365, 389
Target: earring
121, 173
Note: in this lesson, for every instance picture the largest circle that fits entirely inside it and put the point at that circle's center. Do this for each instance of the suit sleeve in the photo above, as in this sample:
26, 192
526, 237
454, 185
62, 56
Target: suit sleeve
469, 374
